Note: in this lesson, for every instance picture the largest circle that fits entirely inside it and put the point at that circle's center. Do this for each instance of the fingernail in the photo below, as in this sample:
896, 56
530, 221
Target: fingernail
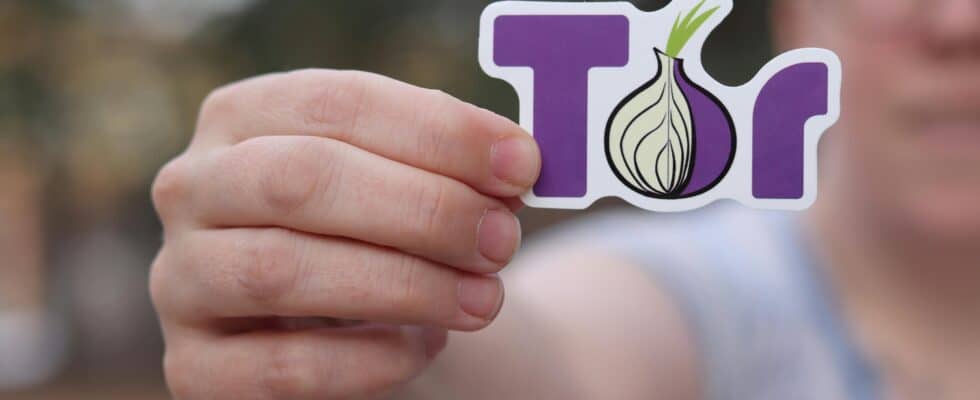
515, 161
480, 296
498, 236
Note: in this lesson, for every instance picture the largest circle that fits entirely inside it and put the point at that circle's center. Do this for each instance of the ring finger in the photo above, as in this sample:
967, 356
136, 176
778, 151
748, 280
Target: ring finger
276, 272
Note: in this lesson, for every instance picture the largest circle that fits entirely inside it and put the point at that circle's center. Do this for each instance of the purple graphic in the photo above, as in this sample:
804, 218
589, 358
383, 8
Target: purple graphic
668, 139
561, 49
714, 136
787, 101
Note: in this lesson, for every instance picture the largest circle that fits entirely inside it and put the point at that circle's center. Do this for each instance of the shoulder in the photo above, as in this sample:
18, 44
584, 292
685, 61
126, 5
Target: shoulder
579, 322
716, 292
610, 290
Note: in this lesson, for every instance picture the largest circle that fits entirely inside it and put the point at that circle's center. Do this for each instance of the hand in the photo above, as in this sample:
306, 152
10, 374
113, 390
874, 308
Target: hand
312, 199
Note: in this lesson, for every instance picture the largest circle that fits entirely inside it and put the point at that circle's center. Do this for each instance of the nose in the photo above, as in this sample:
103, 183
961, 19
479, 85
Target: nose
955, 26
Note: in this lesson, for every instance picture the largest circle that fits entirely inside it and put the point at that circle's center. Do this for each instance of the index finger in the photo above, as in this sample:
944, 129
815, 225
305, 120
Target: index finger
424, 128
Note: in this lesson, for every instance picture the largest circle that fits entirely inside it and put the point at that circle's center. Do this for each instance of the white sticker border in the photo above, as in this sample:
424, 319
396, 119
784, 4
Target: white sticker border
608, 85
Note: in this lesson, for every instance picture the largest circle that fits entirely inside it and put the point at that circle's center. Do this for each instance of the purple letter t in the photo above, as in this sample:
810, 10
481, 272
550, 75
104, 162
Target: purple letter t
561, 49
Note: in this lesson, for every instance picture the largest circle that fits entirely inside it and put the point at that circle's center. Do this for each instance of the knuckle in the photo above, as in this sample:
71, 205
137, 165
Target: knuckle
219, 103
157, 283
405, 365
398, 369
431, 143
178, 374
404, 286
270, 269
335, 102
296, 174
172, 184
285, 173
291, 372
430, 203
234, 165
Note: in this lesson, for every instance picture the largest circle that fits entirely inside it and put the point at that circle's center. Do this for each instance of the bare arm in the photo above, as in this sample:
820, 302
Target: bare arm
576, 325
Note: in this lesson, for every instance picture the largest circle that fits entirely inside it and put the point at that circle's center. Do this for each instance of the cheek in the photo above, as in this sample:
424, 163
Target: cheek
877, 159
866, 140
951, 212
882, 167
869, 85
868, 136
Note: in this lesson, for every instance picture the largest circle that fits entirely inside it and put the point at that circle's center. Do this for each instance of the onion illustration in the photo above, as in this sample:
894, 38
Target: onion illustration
671, 138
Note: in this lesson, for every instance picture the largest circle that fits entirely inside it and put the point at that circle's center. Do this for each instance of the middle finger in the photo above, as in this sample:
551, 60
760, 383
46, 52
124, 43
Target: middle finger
327, 187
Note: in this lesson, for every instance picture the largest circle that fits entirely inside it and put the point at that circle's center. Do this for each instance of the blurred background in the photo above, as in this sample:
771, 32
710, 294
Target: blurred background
95, 95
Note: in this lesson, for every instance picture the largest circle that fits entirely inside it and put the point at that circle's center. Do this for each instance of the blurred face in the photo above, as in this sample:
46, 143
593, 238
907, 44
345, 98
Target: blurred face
907, 148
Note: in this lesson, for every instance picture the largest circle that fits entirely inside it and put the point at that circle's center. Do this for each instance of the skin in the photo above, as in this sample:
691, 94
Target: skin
899, 214
294, 203
296, 208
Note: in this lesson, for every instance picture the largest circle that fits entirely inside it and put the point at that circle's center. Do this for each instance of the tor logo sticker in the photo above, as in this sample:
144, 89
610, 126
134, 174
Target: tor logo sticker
620, 105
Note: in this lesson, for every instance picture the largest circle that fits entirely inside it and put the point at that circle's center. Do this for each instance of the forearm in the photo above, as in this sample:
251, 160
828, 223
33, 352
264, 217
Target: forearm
516, 357
576, 325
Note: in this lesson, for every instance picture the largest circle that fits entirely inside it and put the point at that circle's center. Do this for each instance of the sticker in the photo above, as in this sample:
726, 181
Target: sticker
620, 105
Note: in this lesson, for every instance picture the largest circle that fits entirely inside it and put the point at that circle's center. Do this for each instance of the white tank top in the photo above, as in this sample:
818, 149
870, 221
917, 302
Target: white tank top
765, 323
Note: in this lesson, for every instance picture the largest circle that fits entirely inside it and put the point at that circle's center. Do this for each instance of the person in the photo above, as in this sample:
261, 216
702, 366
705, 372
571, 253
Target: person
326, 229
